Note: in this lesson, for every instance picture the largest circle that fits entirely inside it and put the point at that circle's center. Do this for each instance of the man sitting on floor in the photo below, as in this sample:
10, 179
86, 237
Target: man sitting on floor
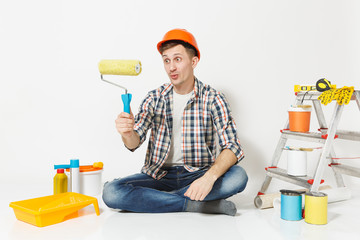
181, 171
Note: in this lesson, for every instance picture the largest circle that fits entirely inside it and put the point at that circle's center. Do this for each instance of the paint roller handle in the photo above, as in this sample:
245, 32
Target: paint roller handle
126, 98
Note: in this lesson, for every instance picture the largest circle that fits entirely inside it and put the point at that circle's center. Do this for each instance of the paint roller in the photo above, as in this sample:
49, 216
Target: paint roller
120, 67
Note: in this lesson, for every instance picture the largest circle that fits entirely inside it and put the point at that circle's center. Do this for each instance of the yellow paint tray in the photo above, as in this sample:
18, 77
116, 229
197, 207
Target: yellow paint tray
44, 211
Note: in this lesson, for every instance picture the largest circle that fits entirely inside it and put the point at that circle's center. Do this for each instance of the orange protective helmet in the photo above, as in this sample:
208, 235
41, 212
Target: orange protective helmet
180, 34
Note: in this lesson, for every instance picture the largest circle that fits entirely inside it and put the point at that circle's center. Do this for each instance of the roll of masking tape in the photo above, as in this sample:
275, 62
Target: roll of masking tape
316, 208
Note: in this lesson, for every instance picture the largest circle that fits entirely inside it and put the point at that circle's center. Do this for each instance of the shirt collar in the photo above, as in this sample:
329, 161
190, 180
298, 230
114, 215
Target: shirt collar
197, 87
169, 86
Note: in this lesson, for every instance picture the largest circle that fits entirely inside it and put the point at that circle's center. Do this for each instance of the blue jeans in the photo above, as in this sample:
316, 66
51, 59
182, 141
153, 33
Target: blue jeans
142, 193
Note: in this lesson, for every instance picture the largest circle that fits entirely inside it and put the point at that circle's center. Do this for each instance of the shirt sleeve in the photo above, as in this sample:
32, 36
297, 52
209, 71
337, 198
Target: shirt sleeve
143, 120
225, 126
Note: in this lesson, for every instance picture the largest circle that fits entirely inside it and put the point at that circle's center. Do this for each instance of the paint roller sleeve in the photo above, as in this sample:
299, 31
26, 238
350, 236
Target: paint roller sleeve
120, 67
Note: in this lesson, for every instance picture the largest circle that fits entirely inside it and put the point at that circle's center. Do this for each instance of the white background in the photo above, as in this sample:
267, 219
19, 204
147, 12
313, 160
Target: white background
54, 107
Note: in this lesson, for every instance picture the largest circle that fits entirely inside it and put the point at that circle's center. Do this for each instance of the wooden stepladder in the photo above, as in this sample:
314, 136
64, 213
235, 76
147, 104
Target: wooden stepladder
326, 135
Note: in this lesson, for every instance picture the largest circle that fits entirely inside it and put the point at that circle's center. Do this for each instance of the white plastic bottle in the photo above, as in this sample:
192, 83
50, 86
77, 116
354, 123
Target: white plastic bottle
75, 175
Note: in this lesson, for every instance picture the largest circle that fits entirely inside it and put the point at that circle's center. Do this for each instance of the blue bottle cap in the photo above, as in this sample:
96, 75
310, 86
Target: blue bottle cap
74, 163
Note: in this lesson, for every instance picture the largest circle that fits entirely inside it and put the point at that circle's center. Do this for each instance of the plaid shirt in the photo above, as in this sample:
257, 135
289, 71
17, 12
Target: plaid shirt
206, 115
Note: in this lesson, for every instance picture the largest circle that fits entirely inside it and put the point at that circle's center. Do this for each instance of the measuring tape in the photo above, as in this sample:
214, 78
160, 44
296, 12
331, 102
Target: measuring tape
323, 85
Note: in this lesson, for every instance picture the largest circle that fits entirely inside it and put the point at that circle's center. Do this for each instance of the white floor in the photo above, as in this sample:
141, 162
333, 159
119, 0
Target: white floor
249, 223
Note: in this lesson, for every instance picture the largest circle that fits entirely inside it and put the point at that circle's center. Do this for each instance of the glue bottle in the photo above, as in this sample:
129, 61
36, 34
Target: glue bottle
74, 174
60, 182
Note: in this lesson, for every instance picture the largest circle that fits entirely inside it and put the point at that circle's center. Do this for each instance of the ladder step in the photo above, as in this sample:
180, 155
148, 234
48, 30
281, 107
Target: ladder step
309, 136
346, 169
343, 134
282, 175
308, 95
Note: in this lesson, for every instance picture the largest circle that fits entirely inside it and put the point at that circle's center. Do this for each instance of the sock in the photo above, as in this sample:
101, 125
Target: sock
218, 206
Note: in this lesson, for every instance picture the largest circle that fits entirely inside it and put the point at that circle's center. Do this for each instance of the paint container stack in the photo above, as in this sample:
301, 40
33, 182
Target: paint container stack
315, 206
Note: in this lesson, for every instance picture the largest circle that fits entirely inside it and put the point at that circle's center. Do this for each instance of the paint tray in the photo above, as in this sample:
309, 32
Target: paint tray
44, 211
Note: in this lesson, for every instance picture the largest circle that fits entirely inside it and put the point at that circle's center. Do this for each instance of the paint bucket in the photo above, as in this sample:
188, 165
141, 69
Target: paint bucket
291, 208
297, 163
299, 118
90, 180
316, 208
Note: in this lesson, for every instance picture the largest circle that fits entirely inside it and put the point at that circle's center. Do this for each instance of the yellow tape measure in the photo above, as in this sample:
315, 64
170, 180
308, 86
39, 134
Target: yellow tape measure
323, 85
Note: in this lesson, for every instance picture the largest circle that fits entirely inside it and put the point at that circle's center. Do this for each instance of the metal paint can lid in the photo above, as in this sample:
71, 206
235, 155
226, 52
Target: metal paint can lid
300, 108
291, 192
316, 194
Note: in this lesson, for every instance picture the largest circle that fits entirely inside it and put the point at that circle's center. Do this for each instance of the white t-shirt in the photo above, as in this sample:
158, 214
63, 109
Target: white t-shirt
175, 157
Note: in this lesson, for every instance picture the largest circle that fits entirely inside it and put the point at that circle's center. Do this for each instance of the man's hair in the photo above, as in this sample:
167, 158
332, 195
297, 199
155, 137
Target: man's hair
172, 43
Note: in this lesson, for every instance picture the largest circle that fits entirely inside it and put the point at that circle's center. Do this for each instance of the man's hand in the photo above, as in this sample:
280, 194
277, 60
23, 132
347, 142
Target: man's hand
125, 124
200, 188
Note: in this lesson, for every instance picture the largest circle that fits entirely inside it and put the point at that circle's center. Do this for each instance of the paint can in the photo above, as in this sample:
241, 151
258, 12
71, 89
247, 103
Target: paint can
316, 208
291, 205
90, 180
299, 118
297, 163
